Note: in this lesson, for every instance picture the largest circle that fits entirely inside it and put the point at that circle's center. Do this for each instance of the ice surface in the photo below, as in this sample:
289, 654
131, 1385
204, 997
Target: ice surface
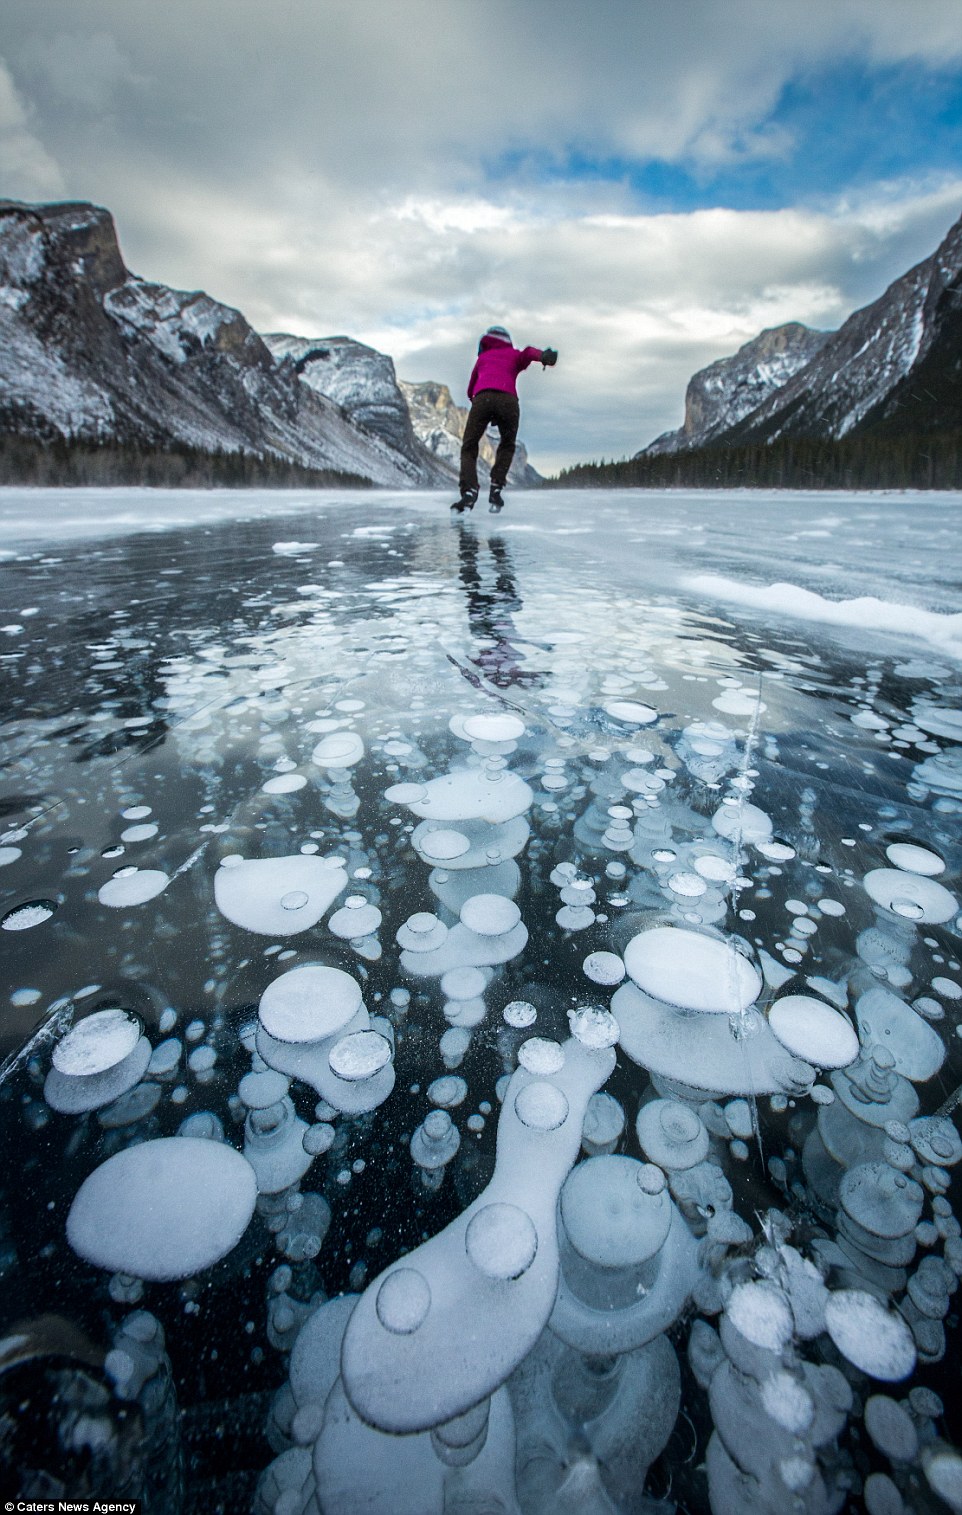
478, 748
164, 1209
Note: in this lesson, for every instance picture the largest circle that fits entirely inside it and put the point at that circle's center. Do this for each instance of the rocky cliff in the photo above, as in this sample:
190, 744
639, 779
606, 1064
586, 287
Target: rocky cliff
91, 354
725, 392
362, 382
439, 425
869, 375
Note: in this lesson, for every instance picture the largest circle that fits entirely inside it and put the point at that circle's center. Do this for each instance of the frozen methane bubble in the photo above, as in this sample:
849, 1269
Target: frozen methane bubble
490, 914
609, 1217
739, 702
72, 1092
943, 1469
910, 895
278, 896
422, 932
436, 1141
442, 845
501, 1241
540, 1056
631, 712
593, 1026
541, 1106
691, 970
468, 795
403, 1301
259, 1091
916, 1047
310, 1003
340, 749
603, 1125
98, 1042
448, 1091
164, 1209
394, 1382
762, 1314
603, 968
519, 1014
357, 918
891, 1427
914, 859
133, 887
869, 1336
936, 1140
671, 1135
742, 821
360, 1055
463, 983
493, 728
811, 1029
284, 783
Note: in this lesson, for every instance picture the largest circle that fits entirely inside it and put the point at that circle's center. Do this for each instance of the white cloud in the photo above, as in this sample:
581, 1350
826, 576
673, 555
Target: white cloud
27, 171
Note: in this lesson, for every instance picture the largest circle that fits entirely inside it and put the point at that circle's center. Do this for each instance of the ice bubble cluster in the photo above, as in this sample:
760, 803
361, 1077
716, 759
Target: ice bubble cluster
497, 1042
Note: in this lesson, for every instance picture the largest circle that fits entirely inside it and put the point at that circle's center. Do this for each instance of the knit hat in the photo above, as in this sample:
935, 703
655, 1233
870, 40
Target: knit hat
501, 332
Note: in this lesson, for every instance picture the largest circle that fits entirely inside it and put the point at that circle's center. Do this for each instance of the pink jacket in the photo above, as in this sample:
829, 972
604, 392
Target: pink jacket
498, 366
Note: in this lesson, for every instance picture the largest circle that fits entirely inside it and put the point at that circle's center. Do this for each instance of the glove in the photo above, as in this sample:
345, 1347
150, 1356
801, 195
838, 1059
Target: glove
549, 357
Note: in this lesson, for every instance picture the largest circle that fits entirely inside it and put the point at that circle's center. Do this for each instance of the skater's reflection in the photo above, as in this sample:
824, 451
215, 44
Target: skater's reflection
492, 596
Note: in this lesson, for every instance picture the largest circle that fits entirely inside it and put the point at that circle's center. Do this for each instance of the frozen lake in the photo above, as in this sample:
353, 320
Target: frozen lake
560, 913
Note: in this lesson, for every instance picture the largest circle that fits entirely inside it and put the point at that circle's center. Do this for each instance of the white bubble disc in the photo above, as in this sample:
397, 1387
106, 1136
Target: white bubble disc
501, 1241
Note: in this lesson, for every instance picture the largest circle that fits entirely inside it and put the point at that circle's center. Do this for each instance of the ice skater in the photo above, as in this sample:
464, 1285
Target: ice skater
494, 401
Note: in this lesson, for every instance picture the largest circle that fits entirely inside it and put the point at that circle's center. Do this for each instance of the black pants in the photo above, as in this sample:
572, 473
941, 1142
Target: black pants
489, 406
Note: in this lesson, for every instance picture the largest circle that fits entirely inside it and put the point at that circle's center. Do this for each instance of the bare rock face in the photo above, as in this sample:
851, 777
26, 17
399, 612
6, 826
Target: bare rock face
439, 424
362, 382
91, 353
721, 395
892, 368
867, 370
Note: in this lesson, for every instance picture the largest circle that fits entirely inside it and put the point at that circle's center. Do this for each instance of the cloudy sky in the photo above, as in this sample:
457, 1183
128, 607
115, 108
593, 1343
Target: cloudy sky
644, 184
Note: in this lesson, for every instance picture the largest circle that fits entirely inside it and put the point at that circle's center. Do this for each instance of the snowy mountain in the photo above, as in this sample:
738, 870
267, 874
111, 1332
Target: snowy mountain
725, 392
439, 424
864, 374
893, 368
91, 354
362, 382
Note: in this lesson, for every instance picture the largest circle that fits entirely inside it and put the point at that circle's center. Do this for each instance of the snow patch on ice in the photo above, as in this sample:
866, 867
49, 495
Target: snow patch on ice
865, 612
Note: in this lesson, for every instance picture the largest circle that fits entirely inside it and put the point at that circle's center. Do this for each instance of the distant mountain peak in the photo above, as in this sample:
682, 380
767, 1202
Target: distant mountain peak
894, 366
721, 395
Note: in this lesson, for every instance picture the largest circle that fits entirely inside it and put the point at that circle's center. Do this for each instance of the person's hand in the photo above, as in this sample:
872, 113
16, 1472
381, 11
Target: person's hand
549, 357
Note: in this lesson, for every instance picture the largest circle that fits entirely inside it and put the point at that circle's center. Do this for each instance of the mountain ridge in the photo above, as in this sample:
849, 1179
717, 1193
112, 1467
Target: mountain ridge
93, 356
